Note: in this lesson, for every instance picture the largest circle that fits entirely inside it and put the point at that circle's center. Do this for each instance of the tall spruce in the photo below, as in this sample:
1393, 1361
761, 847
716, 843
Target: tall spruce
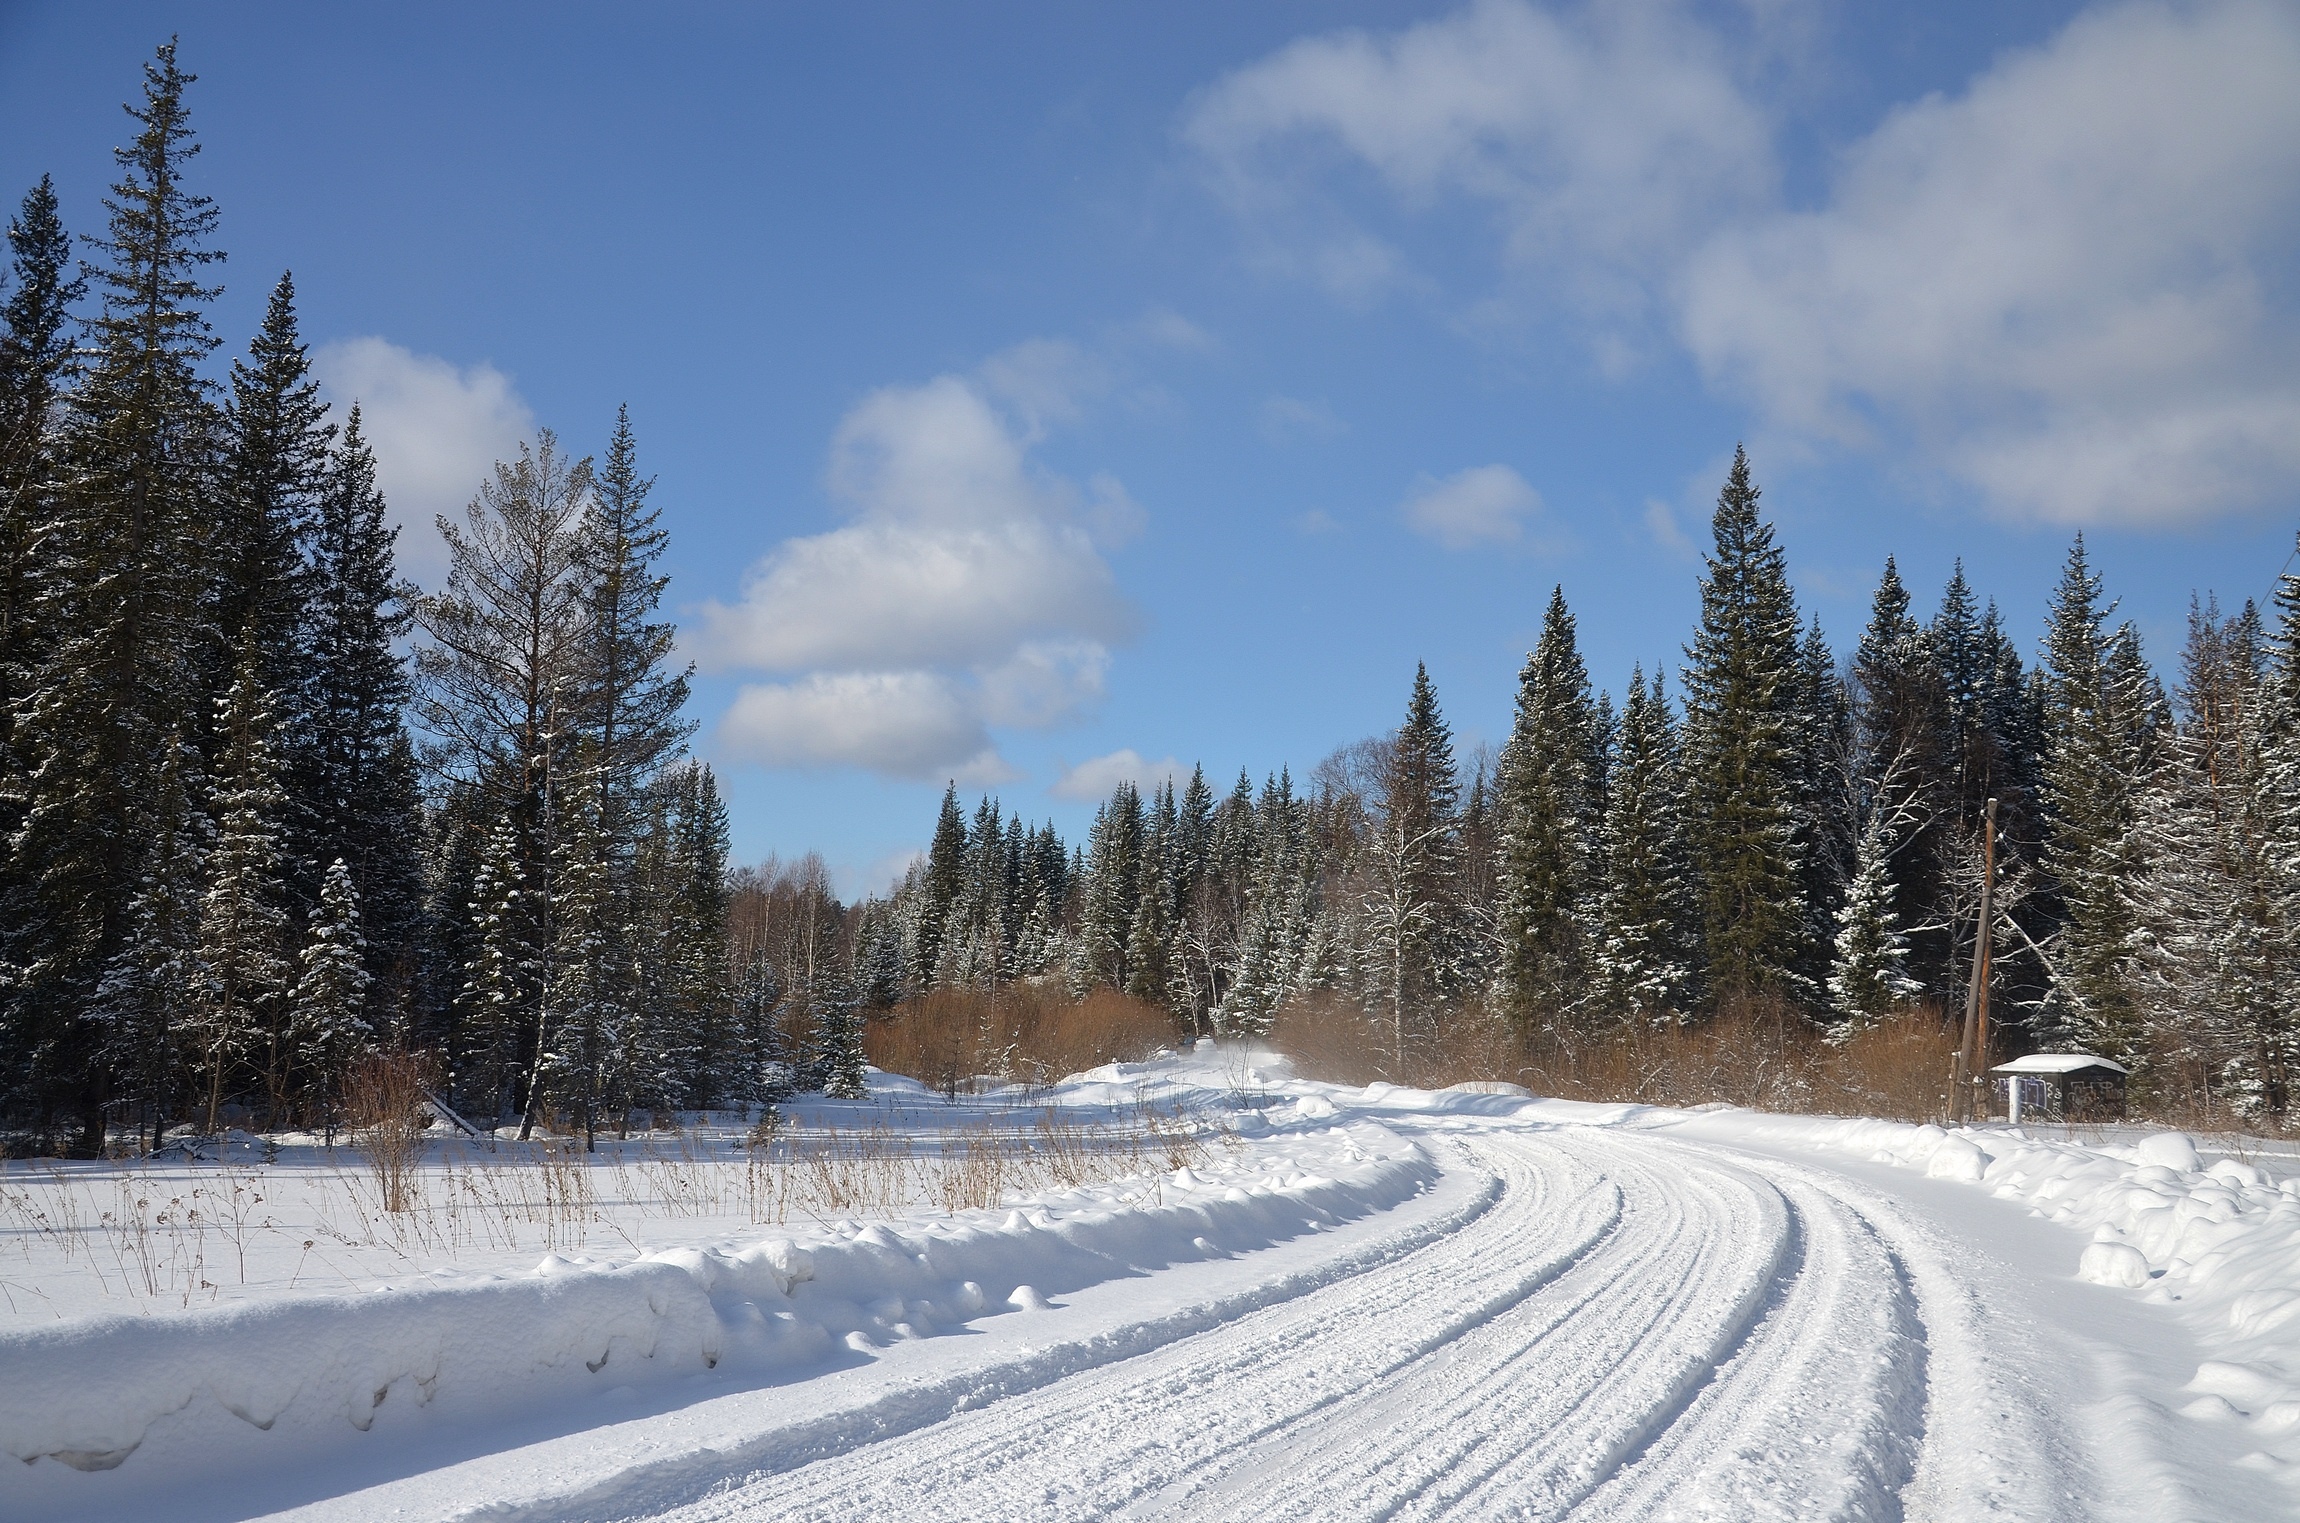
1551, 807
331, 1017
120, 589
275, 467
35, 360
353, 786
2094, 720
1742, 767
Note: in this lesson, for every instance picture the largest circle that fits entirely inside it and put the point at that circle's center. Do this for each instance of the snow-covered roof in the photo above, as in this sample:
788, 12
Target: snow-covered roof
2056, 1063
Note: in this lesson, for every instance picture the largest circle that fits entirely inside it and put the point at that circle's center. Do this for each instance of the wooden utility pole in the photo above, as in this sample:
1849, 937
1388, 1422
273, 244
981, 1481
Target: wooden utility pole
1973, 1042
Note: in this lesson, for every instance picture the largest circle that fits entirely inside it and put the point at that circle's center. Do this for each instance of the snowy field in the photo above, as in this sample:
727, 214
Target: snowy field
1194, 1288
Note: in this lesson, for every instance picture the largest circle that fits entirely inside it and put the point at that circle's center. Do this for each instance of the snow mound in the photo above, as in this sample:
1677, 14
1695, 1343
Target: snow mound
86, 1392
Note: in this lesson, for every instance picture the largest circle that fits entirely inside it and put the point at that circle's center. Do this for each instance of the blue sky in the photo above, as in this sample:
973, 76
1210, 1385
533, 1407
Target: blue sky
1039, 393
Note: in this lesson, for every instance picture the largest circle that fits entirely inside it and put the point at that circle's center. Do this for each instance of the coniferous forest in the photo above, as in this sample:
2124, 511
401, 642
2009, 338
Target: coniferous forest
268, 808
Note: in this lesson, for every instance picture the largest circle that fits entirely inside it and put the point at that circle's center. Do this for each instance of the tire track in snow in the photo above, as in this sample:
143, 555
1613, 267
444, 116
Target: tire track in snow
1641, 1328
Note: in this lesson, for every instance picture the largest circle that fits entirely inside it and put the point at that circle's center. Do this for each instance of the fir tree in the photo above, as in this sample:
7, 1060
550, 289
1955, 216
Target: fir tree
243, 1008
146, 1000
2094, 760
274, 468
1550, 806
1423, 819
120, 592
1870, 978
331, 1021
839, 1032
352, 777
1646, 915
35, 356
945, 879
1742, 767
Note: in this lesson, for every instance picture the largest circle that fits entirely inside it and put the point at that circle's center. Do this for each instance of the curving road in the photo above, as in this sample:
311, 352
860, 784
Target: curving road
1626, 1326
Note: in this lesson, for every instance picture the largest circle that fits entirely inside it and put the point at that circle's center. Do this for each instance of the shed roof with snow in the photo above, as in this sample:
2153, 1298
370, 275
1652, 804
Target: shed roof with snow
2057, 1063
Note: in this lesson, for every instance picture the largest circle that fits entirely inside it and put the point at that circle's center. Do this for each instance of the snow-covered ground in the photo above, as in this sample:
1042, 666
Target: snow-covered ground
1279, 1299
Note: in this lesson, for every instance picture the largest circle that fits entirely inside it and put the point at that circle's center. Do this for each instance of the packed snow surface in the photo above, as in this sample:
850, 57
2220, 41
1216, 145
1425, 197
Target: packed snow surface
1296, 1300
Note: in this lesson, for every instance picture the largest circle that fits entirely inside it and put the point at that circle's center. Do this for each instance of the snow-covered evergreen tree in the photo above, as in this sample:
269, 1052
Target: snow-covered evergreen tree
331, 1017
146, 1001
1550, 806
1870, 977
1647, 920
1742, 767
243, 1007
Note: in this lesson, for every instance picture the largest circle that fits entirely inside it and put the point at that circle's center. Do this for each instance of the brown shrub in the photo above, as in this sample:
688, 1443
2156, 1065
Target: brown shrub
383, 1097
1759, 1056
1031, 1033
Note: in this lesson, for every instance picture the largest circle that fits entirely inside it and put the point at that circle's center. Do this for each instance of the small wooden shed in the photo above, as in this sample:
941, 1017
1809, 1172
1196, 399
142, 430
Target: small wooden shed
2062, 1086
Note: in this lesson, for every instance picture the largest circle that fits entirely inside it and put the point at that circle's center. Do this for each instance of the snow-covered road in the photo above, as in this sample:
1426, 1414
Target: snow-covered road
1634, 1328
1580, 1313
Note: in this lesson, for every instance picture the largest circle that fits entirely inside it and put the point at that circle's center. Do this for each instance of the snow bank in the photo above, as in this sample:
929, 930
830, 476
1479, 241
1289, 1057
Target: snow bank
2222, 1241
87, 1392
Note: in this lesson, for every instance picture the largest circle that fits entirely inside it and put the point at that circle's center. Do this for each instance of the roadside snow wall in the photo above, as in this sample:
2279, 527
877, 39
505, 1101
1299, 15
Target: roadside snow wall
86, 1392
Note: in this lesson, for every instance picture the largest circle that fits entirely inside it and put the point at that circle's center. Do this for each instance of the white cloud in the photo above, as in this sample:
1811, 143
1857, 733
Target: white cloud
437, 431
1092, 780
1484, 505
2068, 284
968, 592
1602, 139
909, 724
2060, 283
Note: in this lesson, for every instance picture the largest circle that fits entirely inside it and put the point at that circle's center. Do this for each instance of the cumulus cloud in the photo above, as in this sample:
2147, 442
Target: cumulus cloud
968, 590
2062, 280
1602, 139
1091, 780
1484, 505
437, 429
2067, 284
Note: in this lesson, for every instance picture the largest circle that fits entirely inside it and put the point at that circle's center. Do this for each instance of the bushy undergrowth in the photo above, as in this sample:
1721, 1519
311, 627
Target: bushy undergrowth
1025, 1033
1758, 1057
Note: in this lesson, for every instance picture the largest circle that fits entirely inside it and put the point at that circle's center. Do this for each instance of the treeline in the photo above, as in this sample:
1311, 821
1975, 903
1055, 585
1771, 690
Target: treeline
232, 869
1787, 832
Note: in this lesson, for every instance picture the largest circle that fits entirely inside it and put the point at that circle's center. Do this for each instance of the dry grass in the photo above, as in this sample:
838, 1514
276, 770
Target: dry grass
1022, 1033
1765, 1059
383, 1095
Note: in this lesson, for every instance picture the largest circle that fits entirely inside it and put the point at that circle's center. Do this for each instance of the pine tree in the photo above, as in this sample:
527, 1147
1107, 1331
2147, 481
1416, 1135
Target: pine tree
499, 685
1742, 767
1550, 804
331, 1018
1646, 915
120, 593
243, 1009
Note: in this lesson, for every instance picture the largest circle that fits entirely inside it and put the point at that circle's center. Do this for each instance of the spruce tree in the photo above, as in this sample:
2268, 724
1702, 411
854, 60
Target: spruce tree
331, 1016
1645, 951
945, 879
146, 1000
1550, 807
35, 358
274, 468
1423, 819
1742, 767
1903, 793
2095, 719
352, 781
1870, 977
120, 592
244, 1008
